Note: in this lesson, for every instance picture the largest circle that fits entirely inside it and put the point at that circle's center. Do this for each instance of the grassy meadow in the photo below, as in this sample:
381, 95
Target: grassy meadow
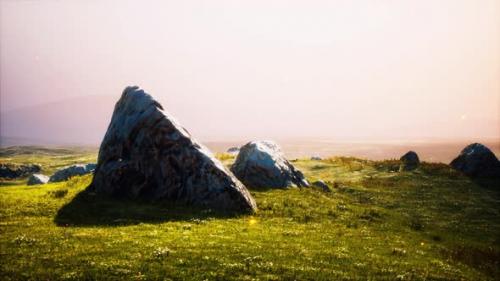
375, 224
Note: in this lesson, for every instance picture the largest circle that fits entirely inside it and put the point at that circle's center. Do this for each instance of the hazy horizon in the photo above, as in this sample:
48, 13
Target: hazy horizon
344, 70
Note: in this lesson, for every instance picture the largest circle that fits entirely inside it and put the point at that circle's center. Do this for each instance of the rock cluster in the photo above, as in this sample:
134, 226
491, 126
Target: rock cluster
476, 160
261, 164
12, 171
146, 153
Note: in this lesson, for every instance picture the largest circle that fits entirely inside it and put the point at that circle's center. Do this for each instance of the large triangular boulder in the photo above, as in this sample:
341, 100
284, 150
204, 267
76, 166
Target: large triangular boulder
261, 164
147, 154
476, 160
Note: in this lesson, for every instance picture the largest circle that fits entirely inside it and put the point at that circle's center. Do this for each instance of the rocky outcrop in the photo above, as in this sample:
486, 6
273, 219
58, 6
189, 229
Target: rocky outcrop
36, 179
233, 150
13, 171
409, 161
476, 160
316, 158
262, 164
71, 171
147, 154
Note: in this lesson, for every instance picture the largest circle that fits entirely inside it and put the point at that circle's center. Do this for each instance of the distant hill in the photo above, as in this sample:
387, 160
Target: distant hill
13, 151
78, 121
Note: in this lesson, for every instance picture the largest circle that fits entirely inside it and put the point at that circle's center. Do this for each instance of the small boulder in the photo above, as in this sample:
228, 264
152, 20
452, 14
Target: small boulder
322, 185
71, 171
476, 160
13, 171
36, 179
262, 164
90, 167
409, 161
316, 158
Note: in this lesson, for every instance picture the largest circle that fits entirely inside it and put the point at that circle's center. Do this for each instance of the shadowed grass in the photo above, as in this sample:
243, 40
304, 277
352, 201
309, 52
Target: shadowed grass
90, 209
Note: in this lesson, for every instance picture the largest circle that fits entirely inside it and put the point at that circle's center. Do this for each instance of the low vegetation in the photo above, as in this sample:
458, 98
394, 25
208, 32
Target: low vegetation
430, 224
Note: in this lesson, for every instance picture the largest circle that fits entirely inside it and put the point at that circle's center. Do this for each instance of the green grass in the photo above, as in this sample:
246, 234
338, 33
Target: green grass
431, 224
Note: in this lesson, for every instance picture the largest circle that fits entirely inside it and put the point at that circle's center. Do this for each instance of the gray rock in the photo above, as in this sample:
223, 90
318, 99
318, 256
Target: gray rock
71, 171
90, 167
409, 161
262, 164
147, 154
38, 179
13, 171
321, 184
316, 158
476, 160
233, 150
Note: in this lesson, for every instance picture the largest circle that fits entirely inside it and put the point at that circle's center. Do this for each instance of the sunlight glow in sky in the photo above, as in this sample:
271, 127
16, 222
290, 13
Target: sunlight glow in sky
380, 69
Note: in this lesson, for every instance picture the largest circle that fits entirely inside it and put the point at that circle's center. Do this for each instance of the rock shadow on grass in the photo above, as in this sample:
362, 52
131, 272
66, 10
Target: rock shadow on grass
91, 209
492, 183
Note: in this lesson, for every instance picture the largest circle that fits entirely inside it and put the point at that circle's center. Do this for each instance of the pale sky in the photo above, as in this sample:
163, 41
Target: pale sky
379, 69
